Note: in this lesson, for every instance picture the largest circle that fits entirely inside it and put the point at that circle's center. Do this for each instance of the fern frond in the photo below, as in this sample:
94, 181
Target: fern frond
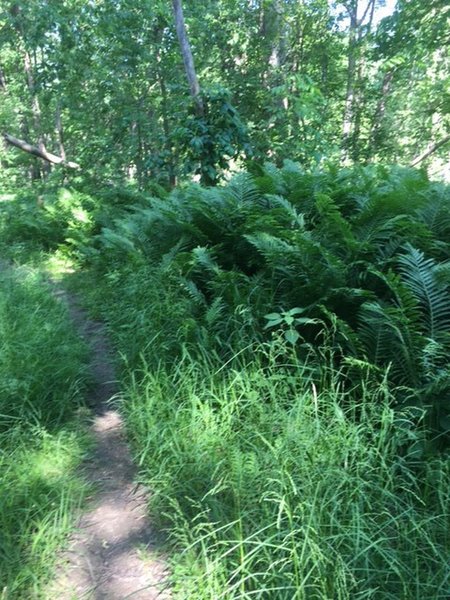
333, 229
419, 274
243, 189
214, 311
271, 247
435, 358
387, 339
204, 258
194, 293
270, 181
436, 211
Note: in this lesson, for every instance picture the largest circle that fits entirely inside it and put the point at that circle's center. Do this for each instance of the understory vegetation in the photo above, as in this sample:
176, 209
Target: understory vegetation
250, 195
285, 378
42, 375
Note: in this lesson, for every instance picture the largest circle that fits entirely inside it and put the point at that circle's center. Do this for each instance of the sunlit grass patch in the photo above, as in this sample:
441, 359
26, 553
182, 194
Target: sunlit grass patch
42, 433
39, 494
273, 488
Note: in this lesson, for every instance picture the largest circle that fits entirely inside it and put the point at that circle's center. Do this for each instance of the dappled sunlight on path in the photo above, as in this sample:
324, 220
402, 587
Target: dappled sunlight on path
114, 553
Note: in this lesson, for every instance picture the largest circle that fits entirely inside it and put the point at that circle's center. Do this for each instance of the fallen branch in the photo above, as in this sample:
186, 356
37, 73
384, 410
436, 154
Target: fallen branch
39, 152
432, 148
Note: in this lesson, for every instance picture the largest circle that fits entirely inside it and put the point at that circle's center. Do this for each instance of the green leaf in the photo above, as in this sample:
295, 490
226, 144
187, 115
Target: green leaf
291, 336
306, 321
295, 311
444, 422
417, 450
272, 316
273, 323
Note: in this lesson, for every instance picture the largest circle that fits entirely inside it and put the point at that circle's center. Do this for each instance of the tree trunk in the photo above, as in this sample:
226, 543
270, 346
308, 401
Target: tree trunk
351, 71
381, 109
2, 81
352, 116
35, 106
187, 57
60, 132
278, 49
166, 128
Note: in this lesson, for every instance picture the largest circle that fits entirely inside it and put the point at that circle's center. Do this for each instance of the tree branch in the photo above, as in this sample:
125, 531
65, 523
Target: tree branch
39, 152
432, 148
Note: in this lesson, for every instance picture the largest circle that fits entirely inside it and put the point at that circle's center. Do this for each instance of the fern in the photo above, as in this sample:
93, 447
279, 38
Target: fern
242, 189
419, 274
388, 340
193, 291
214, 312
270, 181
333, 229
204, 258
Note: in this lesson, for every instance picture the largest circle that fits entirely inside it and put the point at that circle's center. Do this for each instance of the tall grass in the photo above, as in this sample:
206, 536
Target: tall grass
275, 476
42, 374
272, 488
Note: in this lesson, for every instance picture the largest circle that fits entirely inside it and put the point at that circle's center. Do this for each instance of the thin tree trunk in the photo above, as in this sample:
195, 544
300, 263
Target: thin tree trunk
35, 111
35, 106
381, 108
277, 53
351, 121
2, 89
2, 81
187, 57
350, 92
60, 132
166, 127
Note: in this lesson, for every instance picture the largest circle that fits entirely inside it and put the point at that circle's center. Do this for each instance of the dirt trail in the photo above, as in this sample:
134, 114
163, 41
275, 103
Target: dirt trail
114, 553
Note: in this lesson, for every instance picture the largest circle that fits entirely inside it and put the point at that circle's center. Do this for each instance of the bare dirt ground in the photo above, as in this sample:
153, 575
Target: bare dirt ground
114, 553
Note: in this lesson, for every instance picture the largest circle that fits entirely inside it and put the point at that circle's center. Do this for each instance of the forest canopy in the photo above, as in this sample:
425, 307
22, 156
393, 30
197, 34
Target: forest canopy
103, 83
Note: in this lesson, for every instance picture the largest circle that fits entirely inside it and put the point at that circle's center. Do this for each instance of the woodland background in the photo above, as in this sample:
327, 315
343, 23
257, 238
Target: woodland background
103, 83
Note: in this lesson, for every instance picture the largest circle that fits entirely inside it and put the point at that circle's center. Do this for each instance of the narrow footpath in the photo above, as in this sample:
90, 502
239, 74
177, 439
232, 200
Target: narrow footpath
114, 553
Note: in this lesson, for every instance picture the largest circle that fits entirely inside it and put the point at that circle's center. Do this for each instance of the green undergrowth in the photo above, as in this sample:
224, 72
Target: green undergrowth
275, 476
272, 487
43, 436
284, 343
363, 253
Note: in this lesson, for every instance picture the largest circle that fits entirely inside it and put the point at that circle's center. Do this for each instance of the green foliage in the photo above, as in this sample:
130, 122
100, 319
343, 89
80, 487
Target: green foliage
52, 219
271, 489
289, 320
286, 376
42, 375
279, 77
357, 250
432, 295
208, 143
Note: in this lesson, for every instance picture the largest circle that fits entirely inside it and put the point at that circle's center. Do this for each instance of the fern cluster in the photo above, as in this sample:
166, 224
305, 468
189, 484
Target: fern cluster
362, 251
